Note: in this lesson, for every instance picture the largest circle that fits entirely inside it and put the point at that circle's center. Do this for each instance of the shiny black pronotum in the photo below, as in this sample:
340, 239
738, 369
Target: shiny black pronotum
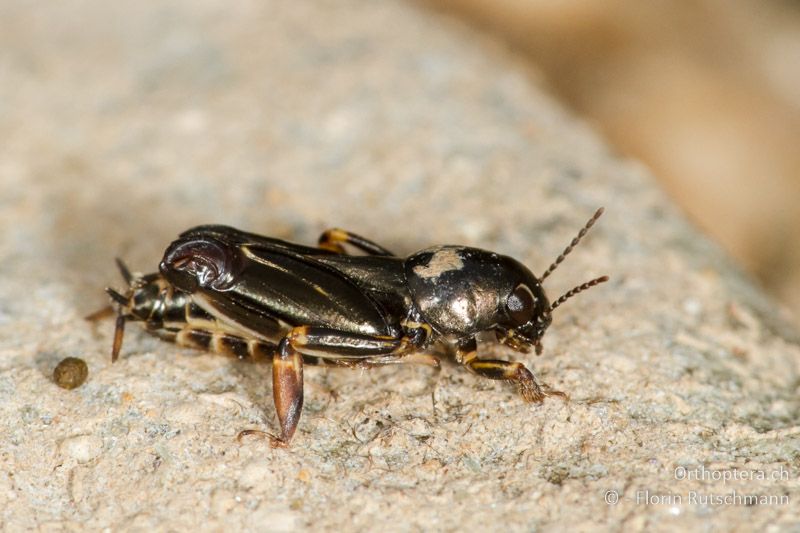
264, 299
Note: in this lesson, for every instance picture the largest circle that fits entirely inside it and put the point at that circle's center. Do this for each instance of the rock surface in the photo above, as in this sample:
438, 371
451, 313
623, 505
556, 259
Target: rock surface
125, 123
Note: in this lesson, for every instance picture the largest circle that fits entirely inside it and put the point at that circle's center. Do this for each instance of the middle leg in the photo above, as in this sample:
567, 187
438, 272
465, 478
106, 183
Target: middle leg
334, 238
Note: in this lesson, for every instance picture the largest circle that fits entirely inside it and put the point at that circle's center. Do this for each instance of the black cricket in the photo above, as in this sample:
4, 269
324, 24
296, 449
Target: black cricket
264, 299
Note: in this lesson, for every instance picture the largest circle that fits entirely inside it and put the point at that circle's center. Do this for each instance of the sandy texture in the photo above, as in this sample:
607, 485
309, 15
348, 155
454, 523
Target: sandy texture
123, 126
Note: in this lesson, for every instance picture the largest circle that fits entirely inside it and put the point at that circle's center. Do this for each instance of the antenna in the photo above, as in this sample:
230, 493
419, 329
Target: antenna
572, 245
580, 288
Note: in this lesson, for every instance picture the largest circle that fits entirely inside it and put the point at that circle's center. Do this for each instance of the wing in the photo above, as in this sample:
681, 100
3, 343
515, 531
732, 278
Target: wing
278, 285
303, 291
237, 237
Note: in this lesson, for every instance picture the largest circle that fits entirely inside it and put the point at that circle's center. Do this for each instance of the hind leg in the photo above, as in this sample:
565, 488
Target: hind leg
325, 343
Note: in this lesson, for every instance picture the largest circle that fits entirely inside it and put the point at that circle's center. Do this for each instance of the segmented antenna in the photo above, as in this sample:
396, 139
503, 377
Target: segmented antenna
572, 245
580, 288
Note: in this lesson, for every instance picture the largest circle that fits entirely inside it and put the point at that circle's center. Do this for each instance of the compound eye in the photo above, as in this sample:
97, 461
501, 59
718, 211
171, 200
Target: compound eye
520, 304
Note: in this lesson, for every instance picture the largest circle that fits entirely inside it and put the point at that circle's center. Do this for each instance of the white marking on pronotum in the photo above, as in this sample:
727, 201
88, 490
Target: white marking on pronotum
441, 261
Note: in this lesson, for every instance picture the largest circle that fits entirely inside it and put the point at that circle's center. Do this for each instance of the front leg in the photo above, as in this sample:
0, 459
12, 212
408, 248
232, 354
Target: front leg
467, 355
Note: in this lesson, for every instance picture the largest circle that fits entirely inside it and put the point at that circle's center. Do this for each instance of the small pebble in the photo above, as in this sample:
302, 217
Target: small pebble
70, 373
82, 448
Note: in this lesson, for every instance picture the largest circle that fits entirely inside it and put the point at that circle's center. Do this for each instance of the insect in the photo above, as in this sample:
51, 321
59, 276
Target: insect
264, 299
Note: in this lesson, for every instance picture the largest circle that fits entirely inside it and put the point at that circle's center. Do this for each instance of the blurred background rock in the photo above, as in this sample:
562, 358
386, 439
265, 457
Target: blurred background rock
705, 92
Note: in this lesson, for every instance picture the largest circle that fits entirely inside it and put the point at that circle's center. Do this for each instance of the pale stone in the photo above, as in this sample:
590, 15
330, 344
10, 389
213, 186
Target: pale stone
82, 448
124, 124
